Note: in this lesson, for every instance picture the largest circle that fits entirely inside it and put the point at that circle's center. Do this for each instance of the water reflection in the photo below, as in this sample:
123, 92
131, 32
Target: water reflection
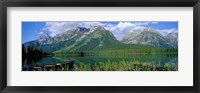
88, 63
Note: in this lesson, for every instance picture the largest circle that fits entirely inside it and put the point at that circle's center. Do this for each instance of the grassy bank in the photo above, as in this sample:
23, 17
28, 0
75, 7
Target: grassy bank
123, 66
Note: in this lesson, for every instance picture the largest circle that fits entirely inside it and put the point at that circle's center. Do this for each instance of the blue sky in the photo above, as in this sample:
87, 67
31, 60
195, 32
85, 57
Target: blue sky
32, 30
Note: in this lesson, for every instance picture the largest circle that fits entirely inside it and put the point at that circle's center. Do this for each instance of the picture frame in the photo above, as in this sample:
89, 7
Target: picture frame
103, 3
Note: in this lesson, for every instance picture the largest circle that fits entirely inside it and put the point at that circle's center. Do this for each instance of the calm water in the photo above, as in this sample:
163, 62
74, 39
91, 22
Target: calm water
157, 60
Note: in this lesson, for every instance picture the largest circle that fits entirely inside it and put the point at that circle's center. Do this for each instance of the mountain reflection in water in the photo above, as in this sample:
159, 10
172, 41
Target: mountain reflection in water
115, 63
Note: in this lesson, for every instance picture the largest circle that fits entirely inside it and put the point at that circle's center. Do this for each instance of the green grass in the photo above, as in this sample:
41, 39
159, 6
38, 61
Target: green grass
123, 66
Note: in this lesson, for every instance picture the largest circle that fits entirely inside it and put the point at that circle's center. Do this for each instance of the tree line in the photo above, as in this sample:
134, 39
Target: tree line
33, 54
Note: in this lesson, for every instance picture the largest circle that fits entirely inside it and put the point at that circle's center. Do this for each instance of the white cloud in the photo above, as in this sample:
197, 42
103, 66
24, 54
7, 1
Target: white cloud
123, 28
154, 22
40, 33
164, 32
119, 30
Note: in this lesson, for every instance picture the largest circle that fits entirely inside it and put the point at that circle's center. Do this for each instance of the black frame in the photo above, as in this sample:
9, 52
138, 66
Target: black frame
101, 3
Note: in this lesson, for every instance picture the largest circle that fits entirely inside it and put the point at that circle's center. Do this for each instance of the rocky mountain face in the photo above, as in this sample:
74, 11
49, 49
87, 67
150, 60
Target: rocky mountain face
93, 39
77, 39
43, 38
148, 36
172, 38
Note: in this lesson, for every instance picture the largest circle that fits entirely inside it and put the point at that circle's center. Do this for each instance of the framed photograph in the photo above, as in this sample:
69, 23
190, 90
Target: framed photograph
100, 46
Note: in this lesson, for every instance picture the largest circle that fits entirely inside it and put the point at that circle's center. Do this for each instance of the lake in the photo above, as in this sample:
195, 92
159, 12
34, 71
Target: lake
114, 62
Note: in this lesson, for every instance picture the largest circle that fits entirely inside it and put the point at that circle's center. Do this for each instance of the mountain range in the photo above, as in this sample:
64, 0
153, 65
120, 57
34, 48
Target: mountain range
151, 37
98, 38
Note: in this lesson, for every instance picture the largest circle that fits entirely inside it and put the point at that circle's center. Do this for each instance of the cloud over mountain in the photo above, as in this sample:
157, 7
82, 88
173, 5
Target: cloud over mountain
119, 29
122, 28
56, 28
165, 32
